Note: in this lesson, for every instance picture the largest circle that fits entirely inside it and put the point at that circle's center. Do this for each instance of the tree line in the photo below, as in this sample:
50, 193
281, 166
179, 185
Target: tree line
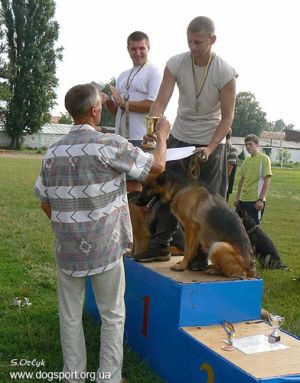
28, 58
250, 118
28, 65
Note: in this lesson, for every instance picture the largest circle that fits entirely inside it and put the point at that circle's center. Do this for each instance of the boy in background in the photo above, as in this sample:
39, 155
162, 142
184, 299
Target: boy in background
255, 180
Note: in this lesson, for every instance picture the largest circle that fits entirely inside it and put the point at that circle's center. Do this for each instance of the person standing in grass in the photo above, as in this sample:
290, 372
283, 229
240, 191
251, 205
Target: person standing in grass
82, 189
255, 180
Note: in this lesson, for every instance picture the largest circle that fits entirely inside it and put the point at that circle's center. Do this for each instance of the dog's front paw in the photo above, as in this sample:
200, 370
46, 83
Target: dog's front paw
212, 270
180, 266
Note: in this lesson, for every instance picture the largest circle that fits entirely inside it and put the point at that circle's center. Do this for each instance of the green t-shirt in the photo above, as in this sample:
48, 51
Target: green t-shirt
254, 169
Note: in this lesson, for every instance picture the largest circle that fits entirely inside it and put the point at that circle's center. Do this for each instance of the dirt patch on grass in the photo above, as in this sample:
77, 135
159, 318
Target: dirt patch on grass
12, 153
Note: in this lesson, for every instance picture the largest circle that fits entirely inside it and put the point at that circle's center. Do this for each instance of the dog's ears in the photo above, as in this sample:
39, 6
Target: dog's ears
241, 212
245, 217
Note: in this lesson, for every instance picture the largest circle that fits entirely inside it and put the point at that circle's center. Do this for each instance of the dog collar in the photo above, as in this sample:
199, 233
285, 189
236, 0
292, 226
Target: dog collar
252, 229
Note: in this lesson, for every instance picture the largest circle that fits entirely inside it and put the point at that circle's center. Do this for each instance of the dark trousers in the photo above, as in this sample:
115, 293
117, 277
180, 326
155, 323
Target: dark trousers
230, 183
213, 173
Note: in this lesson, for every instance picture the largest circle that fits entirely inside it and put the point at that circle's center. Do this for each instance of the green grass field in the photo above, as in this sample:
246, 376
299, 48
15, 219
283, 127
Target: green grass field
27, 269
281, 221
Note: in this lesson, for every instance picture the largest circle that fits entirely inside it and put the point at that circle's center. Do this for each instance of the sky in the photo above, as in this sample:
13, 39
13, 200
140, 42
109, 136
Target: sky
259, 38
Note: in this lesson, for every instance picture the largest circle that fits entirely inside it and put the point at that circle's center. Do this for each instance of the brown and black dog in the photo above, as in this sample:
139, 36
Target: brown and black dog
142, 218
208, 222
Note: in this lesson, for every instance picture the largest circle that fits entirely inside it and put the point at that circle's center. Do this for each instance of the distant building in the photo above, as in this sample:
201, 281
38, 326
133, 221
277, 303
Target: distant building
43, 139
50, 133
55, 119
272, 140
266, 135
292, 135
286, 135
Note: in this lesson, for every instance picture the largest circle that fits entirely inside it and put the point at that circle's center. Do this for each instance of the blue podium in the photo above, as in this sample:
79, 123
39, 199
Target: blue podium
174, 321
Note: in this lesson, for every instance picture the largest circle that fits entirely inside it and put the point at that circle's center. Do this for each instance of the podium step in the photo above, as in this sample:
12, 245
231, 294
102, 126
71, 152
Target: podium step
259, 365
192, 298
174, 321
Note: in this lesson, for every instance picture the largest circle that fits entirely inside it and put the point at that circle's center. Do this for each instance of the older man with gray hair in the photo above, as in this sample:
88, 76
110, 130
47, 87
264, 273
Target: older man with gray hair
82, 189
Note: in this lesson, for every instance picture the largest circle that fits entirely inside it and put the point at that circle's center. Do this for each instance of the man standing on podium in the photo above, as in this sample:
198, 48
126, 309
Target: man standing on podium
205, 113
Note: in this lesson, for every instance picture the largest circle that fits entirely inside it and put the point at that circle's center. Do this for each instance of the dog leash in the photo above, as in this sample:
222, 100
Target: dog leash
194, 166
252, 229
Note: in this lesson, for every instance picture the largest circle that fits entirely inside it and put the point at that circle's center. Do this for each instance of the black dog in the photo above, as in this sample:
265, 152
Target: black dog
264, 249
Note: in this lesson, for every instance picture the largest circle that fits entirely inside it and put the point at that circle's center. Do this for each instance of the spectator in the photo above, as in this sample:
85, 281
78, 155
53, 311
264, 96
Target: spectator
255, 180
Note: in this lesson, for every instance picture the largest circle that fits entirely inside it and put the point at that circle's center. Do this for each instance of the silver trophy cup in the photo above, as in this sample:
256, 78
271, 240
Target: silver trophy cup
276, 322
230, 331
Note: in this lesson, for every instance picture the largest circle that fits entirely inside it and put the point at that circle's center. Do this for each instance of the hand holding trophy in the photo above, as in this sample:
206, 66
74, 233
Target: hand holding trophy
150, 123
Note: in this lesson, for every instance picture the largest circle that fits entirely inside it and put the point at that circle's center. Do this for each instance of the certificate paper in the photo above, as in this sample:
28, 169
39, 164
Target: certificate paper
178, 153
256, 343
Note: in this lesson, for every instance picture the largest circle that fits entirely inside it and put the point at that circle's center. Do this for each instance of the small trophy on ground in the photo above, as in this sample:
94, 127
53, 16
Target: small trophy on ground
150, 127
276, 322
230, 331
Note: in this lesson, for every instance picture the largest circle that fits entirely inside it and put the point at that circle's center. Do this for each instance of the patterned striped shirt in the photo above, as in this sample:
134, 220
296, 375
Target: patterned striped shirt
83, 179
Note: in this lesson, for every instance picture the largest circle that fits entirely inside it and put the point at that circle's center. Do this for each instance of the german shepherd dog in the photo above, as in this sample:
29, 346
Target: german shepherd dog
263, 247
208, 222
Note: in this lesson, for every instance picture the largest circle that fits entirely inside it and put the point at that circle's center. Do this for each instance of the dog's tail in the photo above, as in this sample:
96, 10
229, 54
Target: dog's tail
227, 259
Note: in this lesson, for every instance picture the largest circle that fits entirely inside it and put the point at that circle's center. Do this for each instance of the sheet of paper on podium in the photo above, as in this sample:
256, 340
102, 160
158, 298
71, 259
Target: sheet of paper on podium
256, 343
178, 153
